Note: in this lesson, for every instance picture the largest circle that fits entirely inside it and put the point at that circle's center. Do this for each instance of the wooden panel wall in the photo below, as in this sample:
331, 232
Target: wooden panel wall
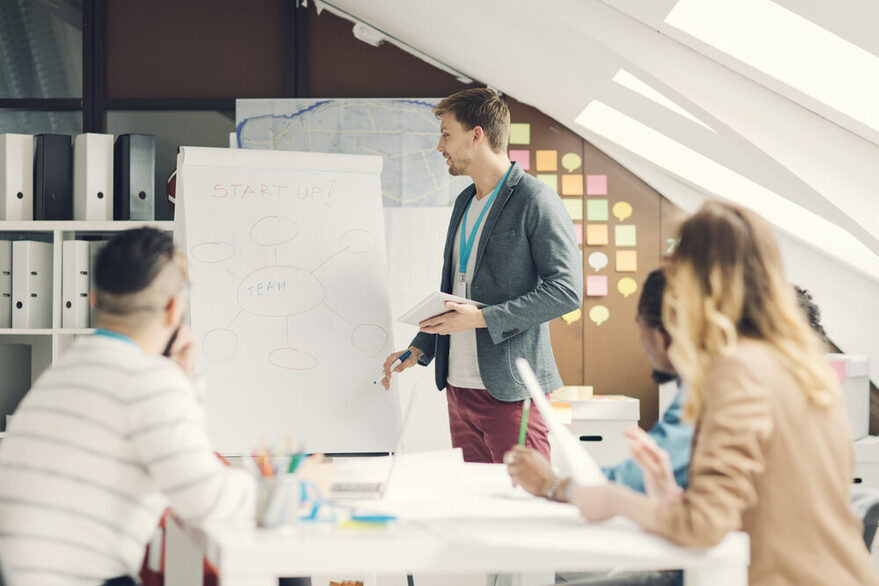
195, 49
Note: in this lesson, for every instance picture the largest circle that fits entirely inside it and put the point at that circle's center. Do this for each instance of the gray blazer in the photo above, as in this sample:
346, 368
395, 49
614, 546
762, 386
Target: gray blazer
528, 271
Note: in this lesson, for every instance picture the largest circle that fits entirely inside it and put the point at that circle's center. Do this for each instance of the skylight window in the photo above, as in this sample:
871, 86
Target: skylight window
790, 48
627, 80
716, 179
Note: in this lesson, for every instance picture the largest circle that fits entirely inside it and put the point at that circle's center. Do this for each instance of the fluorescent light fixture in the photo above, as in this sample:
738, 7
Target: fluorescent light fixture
627, 80
790, 48
714, 178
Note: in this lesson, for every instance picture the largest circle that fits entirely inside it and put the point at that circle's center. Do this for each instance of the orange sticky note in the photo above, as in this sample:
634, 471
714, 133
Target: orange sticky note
572, 185
627, 261
547, 160
596, 234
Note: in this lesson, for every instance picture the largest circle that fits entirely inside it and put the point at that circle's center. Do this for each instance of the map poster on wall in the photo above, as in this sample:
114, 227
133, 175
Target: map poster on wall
404, 132
289, 299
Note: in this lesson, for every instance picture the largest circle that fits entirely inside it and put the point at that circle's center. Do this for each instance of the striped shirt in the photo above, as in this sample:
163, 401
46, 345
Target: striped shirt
106, 440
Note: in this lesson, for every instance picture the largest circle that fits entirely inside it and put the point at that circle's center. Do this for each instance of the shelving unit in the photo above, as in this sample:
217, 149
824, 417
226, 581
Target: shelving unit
48, 344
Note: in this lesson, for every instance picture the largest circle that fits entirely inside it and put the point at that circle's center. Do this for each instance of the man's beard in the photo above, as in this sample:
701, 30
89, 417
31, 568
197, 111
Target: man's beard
661, 378
456, 169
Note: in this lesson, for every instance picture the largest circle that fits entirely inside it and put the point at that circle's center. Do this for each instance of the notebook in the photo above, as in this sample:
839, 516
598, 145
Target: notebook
575, 461
433, 305
357, 489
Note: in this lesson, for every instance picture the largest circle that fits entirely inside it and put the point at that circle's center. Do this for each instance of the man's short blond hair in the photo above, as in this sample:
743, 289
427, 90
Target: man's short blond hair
481, 107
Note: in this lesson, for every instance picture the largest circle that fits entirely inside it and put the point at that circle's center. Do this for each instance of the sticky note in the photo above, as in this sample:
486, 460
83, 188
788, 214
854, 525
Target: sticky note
520, 133
596, 185
550, 179
578, 232
522, 157
547, 160
573, 316
596, 285
624, 235
596, 234
627, 261
572, 185
575, 207
596, 210
838, 367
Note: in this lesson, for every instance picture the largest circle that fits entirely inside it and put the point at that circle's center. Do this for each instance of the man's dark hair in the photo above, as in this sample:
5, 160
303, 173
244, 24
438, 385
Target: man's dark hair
131, 260
481, 107
650, 302
813, 314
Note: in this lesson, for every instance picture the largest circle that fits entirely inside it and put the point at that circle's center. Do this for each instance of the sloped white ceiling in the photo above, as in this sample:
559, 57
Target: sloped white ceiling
561, 55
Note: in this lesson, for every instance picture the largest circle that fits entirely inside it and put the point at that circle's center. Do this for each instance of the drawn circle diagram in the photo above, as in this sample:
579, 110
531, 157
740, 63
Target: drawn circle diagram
292, 359
279, 291
220, 344
273, 231
357, 241
369, 338
212, 252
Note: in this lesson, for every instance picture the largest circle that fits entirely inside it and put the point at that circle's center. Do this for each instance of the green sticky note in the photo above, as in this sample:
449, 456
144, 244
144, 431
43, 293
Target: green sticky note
624, 235
575, 208
520, 133
550, 179
596, 210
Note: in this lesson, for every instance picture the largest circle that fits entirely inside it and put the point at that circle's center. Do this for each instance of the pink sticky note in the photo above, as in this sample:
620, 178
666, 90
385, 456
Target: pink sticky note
596, 285
578, 232
839, 367
596, 185
522, 157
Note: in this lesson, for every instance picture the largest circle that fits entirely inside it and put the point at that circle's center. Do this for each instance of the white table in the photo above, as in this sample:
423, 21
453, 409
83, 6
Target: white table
482, 531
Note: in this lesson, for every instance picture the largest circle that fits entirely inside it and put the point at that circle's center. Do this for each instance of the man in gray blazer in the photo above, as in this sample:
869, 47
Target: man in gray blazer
511, 246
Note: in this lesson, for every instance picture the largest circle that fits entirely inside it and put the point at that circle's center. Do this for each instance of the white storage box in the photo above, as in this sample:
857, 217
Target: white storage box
867, 461
853, 374
599, 424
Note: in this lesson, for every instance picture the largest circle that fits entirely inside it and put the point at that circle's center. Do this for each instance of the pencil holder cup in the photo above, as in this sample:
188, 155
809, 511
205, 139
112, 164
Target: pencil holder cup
282, 500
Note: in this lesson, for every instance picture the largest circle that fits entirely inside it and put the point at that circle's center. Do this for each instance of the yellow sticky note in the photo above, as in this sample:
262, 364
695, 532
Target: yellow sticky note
627, 261
596, 234
575, 208
572, 185
625, 235
547, 160
550, 179
520, 133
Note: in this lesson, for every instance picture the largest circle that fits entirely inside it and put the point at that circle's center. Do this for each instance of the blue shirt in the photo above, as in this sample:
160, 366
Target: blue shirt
672, 435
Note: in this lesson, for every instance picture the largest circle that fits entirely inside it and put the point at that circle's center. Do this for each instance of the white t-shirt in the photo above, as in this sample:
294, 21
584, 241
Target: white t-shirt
463, 363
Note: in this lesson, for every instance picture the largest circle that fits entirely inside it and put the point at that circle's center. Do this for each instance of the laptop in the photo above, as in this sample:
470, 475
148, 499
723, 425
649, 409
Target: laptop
358, 489
575, 461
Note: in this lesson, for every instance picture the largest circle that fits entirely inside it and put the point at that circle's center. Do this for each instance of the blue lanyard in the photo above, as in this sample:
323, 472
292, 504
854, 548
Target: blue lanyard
467, 243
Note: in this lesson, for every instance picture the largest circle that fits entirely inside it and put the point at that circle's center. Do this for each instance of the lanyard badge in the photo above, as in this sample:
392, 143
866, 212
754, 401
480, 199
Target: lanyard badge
466, 246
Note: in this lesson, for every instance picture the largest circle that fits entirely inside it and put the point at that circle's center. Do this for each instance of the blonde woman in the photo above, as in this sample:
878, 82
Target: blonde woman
772, 454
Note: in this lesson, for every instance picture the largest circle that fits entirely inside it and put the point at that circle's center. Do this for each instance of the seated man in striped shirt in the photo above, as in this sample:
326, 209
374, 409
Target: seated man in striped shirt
113, 433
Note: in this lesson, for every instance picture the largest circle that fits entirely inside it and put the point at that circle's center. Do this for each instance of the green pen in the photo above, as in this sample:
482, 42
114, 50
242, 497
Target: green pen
526, 408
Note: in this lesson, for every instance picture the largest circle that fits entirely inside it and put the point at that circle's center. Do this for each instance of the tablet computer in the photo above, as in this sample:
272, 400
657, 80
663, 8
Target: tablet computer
434, 304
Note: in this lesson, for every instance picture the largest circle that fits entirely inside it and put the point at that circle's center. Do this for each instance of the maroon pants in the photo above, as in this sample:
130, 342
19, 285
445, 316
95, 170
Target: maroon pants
485, 428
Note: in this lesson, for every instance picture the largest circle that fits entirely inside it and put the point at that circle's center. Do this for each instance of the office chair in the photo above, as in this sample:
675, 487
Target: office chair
865, 503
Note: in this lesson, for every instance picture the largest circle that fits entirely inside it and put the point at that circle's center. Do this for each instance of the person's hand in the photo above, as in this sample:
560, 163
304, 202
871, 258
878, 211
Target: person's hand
530, 470
659, 479
411, 361
596, 503
183, 350
316, 471
461, 317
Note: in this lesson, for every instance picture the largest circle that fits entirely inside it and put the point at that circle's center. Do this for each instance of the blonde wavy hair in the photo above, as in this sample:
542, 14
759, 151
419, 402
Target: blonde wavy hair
726, 281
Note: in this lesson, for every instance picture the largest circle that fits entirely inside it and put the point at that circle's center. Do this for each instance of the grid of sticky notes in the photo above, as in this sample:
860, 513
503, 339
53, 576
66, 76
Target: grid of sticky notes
560, 170
611, 240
